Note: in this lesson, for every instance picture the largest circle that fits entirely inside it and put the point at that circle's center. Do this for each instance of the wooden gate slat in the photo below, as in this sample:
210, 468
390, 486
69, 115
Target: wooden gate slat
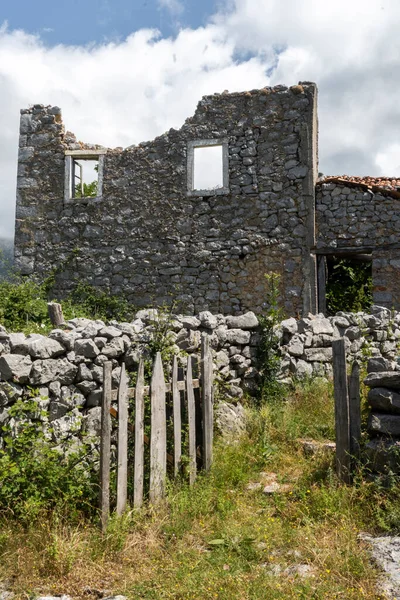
122, 470
105, 446
139, 438
207, 401
158, 446
342, 418
192, 422
176, 403
354, 410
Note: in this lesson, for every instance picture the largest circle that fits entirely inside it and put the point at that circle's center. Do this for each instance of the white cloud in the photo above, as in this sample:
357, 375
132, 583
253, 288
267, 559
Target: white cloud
114, 94
122, 93
352, 51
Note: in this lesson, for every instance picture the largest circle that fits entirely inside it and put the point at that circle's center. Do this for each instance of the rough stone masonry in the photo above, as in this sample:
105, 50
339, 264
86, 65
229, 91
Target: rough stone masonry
152, 235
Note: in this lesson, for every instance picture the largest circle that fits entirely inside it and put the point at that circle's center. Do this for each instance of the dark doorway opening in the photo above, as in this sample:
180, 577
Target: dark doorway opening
344, 282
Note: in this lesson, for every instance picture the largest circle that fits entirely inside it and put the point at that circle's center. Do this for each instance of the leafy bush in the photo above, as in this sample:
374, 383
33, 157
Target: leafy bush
23, 304
349, 286
37, 476
268, 354
87, 301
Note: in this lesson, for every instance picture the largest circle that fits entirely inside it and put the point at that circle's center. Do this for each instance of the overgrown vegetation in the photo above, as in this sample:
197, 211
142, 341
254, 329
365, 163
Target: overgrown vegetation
23, 304
268, 351
220, 539
37, 475
349, 286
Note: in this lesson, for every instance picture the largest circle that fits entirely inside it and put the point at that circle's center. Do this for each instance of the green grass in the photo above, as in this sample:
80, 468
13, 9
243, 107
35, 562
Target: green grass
219, 539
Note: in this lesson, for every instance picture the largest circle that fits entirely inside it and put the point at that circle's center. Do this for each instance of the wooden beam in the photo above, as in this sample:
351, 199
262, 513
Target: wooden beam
139, 438
168, 389
105, 446
55, 314
354, 410
321, 278
342, 417
122, 468
158, 437
192, 422
207, 404
176, 403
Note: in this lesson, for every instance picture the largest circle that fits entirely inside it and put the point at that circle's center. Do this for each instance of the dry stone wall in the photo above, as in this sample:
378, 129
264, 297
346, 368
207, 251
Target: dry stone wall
306, 344
151, 238
66, 366
384, 420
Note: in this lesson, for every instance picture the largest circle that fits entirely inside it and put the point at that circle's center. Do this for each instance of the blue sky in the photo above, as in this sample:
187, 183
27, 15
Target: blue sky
79, 22
118, 82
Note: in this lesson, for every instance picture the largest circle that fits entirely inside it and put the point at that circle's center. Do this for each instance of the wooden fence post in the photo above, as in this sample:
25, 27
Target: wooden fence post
342, 416
192, 421
105, 446
55, 314
207, 401
176, 403
354, 410
122, 471
139, 438
158, 449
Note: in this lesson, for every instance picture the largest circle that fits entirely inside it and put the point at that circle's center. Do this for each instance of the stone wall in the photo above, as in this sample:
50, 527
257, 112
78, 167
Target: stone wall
352, 219
306, 344
149, 237
66, 365
384, 421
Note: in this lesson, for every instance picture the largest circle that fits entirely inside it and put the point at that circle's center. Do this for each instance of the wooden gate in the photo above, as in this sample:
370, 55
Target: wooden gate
157, 390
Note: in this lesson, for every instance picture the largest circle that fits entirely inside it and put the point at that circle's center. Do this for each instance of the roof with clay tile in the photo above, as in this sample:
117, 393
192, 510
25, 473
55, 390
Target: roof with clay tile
388, 186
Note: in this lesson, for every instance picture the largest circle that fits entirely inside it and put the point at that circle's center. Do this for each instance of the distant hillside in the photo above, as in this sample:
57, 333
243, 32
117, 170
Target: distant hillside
6, 255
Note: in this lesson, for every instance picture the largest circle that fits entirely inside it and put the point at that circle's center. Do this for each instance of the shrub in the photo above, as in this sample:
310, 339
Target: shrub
23, 304
36, 475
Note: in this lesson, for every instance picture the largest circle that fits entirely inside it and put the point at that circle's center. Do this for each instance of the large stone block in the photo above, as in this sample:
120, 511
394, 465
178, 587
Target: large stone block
385, 400
246, 321
53, 369
16, 367
384, 424
45, 347
318, 354
388, 379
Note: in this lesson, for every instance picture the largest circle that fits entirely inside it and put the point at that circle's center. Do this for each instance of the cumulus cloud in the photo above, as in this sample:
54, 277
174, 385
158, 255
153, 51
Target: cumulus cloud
351, 50
118, 94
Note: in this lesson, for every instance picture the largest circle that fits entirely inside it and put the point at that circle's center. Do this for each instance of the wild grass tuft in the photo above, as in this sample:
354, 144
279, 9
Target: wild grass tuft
220, 539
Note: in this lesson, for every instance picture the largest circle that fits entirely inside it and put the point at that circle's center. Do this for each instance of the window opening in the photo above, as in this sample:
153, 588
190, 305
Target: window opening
84, 178
348, 282
208, 168
83, 174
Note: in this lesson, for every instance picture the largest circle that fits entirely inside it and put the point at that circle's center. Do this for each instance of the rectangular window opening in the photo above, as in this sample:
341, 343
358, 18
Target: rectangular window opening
345, 282
84, 180
208, 168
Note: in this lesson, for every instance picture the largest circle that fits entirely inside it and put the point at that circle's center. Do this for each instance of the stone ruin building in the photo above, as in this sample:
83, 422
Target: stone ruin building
200, 214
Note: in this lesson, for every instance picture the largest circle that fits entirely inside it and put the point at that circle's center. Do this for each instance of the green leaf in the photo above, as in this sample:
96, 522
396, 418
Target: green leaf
218, 542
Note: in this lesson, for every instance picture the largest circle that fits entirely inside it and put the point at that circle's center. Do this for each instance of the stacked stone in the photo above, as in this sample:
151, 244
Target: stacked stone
67, 366
306, 344
150, 235
384, 421
352, 217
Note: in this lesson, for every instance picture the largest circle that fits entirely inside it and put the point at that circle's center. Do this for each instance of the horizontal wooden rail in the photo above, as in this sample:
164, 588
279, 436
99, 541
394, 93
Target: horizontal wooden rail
146, 389
131, 427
